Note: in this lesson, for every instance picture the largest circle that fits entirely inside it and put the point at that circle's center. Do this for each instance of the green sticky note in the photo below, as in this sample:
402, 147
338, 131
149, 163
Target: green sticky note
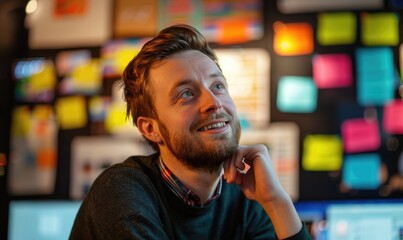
322, 153
336, 28
380, 29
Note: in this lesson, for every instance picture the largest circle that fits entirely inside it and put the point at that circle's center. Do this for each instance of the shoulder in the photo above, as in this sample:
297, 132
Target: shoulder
123, 190
121, 195
126, 177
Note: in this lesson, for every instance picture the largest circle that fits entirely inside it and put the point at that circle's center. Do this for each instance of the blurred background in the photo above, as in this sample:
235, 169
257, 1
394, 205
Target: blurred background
319, 82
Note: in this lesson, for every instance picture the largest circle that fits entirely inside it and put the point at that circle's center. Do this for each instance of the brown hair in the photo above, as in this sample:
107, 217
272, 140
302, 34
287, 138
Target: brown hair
137, 92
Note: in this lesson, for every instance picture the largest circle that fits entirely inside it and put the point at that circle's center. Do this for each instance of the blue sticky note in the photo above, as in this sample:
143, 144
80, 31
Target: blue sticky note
361, 171
375, 75
297, 94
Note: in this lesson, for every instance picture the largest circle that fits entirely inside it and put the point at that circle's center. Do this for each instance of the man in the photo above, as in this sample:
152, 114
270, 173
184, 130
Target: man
196, 185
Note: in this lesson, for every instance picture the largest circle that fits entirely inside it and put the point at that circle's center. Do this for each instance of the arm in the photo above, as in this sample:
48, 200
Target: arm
261, 184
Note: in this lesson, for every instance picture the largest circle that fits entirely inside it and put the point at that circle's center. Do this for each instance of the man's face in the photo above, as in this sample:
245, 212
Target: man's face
197, 118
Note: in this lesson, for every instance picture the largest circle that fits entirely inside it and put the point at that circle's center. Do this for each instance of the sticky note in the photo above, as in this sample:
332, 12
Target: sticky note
46, 158
235, 31
293, 39
71, 112
380, 29
87, 77
117, 54
322, 153
297, 94
45, 79
375, 76
35, 80
360, 135
124, 56
393, 117
21, 121
362, 171
332, 70
115, 118
336, 28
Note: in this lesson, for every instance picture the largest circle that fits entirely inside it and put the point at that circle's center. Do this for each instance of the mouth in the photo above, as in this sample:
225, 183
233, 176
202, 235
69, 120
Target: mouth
216, 125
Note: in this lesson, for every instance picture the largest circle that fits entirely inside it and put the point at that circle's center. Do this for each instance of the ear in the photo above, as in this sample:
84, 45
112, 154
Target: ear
149, 128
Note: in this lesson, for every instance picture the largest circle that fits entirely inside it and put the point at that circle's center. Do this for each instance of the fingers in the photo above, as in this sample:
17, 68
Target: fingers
235, 167
246, 167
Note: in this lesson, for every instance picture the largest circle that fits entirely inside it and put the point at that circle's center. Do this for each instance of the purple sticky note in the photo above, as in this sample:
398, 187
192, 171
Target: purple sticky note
393, 117
360, 135
332, 70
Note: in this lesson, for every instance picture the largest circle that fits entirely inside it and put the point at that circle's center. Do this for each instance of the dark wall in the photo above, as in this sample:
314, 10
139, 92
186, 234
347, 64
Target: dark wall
314, 185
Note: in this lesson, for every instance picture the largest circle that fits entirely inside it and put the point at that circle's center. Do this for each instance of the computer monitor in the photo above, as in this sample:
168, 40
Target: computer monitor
361, 221
45, 220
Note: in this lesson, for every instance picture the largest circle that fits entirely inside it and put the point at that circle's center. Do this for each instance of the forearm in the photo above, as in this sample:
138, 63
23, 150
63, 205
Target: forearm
284, 217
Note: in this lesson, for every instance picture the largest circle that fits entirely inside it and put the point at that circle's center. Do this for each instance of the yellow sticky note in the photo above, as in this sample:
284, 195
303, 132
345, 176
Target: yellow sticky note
87, 77
71, 112
45, 79
124, 56
21, 122
116, 118
322, 153
336, 28
380, 29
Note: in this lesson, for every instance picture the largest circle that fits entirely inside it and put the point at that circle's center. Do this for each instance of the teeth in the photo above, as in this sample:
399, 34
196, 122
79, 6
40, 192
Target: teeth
212, 126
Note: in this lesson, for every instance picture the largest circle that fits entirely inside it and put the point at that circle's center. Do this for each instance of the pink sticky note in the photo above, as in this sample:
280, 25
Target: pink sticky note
360, 135
393, 117
332, 70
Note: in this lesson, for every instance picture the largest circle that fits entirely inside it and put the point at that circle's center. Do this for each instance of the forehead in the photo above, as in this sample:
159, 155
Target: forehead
187, 64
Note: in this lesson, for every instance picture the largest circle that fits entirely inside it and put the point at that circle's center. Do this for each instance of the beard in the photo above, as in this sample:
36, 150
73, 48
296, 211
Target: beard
197, 155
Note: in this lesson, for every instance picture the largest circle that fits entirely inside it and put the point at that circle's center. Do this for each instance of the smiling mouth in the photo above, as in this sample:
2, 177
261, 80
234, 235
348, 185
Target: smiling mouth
213, 126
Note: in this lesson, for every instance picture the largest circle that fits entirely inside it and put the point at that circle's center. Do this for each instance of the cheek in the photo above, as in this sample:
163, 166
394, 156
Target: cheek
230, 106
178, 120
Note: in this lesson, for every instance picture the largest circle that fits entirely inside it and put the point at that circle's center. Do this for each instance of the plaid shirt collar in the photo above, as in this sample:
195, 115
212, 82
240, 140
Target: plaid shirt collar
180, 190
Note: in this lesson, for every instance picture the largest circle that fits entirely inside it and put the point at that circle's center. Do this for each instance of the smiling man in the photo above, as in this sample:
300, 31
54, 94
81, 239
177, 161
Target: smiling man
194, 186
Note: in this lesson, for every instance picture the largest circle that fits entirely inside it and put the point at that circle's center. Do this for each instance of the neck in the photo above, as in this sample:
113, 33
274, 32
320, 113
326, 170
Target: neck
202, 183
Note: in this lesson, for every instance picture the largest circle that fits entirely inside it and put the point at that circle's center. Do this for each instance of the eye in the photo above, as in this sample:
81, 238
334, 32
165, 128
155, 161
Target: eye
219, 87
186, 94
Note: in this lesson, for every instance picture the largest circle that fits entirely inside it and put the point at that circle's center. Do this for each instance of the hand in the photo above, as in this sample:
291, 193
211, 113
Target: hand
260, 183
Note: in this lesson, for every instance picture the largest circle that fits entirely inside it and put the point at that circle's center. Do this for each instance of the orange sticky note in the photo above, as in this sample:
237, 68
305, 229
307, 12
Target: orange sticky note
46, 158
293, 38
233, 32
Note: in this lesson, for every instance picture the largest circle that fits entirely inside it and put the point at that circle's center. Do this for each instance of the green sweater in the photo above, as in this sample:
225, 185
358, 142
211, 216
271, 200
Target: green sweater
130, 201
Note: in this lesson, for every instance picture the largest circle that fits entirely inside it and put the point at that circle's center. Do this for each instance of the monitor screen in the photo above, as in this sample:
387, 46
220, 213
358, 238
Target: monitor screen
365, 221
43, 219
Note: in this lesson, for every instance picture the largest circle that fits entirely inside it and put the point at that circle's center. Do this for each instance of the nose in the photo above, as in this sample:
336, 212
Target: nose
210, 102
